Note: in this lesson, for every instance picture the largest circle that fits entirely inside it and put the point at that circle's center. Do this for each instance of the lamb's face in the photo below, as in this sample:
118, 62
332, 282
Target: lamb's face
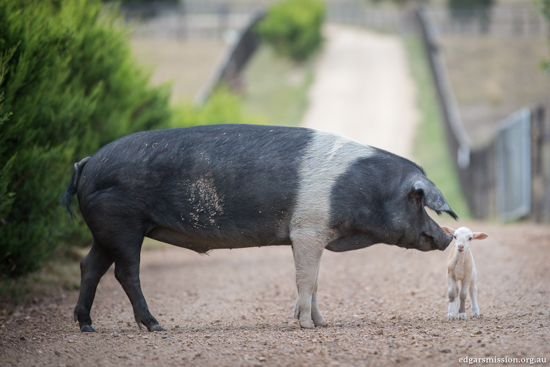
463, 237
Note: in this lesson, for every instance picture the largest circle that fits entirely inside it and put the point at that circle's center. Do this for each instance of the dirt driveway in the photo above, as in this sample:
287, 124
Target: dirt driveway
384, 306
363, 90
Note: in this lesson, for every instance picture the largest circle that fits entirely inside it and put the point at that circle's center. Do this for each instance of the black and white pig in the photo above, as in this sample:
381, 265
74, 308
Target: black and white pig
235, 186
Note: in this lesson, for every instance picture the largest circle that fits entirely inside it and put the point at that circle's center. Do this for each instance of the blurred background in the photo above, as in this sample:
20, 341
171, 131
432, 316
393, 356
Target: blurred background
487, 59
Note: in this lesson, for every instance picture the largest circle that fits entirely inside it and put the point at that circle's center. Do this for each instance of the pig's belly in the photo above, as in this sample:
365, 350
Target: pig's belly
203, 244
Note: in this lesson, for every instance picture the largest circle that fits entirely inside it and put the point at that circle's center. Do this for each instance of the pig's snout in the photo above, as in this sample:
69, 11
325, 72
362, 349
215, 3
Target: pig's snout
446, 242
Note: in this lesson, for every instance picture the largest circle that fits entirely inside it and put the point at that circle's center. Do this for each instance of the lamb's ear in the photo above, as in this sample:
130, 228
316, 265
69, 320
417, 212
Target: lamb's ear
448, 230
480, 236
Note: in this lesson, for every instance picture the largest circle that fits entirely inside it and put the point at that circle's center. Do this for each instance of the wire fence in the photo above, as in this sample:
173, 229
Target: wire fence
214, 18
501, 20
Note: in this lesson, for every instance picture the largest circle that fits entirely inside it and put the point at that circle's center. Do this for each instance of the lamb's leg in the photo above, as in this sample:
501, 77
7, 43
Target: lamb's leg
307, 252
452, 293
463, 294
473, 299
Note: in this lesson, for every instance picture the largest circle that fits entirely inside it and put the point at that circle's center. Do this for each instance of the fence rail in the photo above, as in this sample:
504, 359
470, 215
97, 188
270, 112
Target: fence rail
509, 177
232, 61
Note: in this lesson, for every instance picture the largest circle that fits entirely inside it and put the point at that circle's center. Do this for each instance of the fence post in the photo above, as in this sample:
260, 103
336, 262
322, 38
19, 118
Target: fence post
232, 61
539, 172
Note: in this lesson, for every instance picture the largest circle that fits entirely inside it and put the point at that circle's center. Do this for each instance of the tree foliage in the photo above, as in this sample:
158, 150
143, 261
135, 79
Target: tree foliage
545, 9
68, 85
293, 27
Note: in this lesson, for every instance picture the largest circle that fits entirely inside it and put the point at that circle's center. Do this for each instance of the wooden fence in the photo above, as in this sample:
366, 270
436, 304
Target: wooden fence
509, 177
232, 61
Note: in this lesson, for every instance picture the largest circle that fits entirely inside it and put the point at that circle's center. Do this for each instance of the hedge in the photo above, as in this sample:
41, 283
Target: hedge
293, 27
68, 85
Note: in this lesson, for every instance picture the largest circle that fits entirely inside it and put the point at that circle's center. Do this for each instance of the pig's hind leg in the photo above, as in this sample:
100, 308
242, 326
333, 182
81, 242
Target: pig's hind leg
127, 259
121, 237
92, 268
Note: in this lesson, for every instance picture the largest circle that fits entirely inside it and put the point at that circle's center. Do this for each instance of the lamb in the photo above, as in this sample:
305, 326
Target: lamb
461, 267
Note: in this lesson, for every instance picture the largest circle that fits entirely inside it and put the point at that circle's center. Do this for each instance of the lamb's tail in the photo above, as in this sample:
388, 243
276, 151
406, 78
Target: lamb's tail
71, 189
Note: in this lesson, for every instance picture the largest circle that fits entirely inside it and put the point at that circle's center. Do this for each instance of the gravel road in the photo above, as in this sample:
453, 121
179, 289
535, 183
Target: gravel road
385, 306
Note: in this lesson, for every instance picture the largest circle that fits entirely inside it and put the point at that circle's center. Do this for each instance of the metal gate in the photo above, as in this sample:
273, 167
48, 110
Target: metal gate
513, 166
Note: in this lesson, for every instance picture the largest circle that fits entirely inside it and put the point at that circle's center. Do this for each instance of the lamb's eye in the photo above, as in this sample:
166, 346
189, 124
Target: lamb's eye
469, 239
454, 237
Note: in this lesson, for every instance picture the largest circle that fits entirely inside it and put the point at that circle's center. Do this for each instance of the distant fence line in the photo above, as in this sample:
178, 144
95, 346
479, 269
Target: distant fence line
509, 177
501, 20
212, 18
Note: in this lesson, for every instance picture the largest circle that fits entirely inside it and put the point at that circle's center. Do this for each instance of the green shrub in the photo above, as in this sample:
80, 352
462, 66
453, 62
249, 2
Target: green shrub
69, 86
545, 10
222, 107
293, 27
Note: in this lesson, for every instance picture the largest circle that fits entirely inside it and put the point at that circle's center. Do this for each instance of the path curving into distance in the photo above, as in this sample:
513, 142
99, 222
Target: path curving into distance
363, 90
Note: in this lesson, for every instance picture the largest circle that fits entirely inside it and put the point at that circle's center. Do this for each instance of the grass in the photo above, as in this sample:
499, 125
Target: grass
60, 272
430, 144
276, 87
186, 64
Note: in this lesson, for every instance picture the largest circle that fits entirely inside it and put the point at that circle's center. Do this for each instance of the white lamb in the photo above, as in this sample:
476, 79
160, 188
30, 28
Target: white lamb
461, 267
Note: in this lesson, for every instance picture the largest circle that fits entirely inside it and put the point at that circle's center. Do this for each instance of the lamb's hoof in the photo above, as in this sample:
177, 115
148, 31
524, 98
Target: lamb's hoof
475, 316
307, 324
451, 316
156, 327
87, 329
462, 316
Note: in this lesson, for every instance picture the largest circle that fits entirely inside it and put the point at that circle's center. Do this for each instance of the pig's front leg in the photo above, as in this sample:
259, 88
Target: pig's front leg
307, 250
318, 318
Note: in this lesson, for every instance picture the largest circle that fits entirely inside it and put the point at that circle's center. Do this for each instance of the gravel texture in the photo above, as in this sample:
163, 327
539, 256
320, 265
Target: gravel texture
384, 306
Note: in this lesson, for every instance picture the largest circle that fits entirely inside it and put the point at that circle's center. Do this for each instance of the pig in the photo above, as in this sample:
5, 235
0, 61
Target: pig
236, 186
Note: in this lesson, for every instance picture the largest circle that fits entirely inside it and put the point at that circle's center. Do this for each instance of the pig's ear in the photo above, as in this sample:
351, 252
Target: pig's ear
480, 236
433, 198
448, 230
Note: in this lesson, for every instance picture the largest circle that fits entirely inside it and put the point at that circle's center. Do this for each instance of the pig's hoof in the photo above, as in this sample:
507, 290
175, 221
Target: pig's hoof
319, 321
307, 324
156, 327
87, 329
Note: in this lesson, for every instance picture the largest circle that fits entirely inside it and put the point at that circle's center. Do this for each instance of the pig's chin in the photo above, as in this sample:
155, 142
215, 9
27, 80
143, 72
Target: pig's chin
426, 243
